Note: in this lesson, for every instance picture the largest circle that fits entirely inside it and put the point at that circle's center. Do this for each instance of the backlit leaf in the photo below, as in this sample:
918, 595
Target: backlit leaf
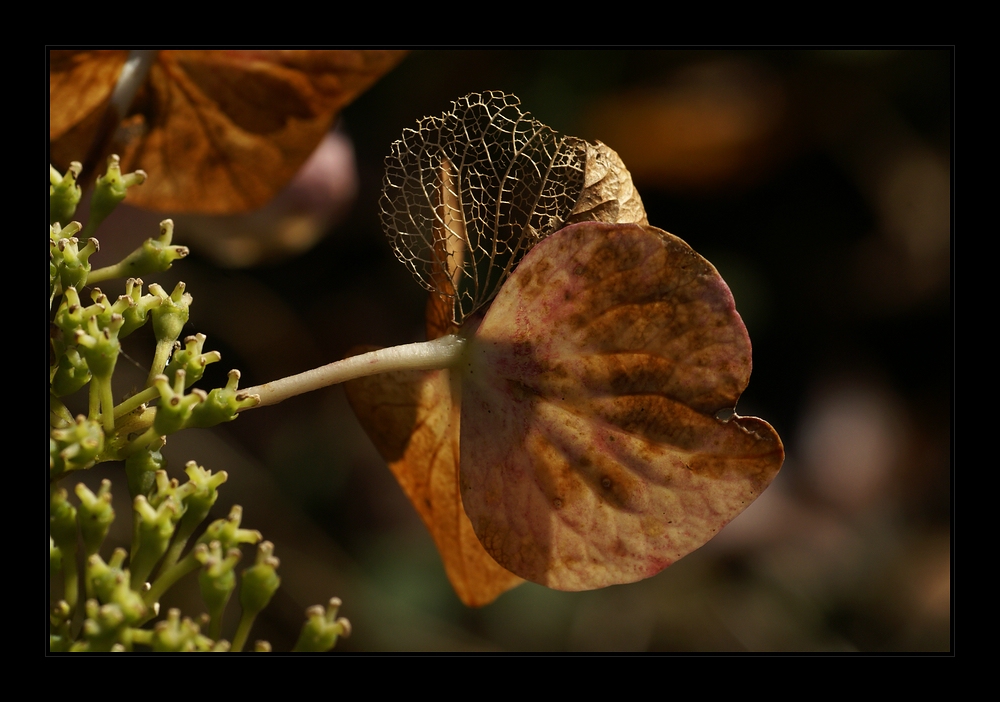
581, 424
413, 423
591, 453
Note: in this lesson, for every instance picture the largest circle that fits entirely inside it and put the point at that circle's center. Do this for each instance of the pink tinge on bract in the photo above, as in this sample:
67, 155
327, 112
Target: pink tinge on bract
591, 454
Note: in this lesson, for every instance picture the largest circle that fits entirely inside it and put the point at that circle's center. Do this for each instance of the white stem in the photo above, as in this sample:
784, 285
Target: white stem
426, 355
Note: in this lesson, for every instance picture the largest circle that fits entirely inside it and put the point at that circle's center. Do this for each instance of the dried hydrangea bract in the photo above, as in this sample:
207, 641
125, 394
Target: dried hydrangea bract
591, 454
482, 184
580, 440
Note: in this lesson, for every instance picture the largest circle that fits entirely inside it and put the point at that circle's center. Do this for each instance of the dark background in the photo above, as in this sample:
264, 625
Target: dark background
817, 182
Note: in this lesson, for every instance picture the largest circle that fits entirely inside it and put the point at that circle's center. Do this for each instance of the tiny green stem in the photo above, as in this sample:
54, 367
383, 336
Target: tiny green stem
106, 273
88, 581
426, 355
138, 399
215, 615
181, 535
170, 576
243, 630
94, 407
160, 358
71, 582
107, 403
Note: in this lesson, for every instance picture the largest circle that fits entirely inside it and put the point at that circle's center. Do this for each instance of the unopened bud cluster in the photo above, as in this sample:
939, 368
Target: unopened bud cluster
111, 605
87, 329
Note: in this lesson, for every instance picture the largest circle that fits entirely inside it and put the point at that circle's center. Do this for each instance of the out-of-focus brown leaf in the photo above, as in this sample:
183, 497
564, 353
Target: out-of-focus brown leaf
80, 86
223, 131
413, 422
599, 441
717, 124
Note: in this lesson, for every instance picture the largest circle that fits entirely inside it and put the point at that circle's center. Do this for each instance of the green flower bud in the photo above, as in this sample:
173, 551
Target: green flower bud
69, 264
170, 316
62, 521
140, 469
75, 447
176, 634
102, 627
222, 404
260, 581
104, 309
100, 345
217, 580
155, 528
60, 625
228, 533
55, 556
95, 515
60, 619
70, 374
200, 492
191, 360
322, 628
165, 488
110, 191
174, 410
110, 583
64, 193
135, 306
72, 315
155, 255
102, 575
69, 318
58, 231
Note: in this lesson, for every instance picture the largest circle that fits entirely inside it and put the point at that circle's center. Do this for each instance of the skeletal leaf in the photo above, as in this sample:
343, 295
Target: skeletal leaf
413, 422
223, 130
482, 183
591, 451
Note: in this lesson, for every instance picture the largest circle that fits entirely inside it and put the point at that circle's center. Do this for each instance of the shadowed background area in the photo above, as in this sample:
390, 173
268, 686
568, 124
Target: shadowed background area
817, 182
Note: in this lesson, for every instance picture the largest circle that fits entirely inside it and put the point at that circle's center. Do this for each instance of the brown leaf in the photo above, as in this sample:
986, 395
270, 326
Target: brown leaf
438, 316
414, 424
80, 86
225, 130
591, 454
608, 193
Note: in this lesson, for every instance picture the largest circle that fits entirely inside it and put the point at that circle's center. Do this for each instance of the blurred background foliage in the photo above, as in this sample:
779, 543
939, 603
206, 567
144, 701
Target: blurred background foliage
817, 182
